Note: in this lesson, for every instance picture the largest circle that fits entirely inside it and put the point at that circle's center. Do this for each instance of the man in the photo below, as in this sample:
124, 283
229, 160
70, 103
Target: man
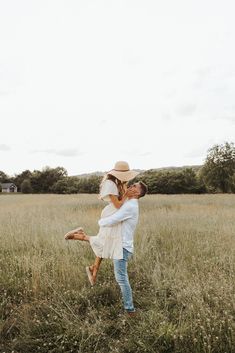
128, 214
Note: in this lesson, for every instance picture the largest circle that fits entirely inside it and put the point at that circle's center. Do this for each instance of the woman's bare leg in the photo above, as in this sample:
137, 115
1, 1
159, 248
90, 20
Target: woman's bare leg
81, 235
95, 267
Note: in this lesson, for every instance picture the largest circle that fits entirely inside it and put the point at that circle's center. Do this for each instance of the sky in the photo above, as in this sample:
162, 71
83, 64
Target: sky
85, 83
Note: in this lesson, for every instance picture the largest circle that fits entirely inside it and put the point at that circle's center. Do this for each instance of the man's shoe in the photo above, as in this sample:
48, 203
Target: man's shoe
131, 313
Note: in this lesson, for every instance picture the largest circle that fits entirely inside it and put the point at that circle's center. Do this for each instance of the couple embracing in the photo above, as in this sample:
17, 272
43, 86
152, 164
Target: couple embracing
117, 225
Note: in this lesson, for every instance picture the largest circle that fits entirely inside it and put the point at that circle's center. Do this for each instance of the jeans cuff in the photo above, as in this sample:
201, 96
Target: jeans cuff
130, 310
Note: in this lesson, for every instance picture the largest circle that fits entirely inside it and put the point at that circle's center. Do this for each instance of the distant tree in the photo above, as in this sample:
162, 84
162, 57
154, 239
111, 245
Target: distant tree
19, 178
36, 181
72, 185
192, 183
219, 168
183, 181
233, 183
4, 178
66, 185
26, 187
43, 181
89, 185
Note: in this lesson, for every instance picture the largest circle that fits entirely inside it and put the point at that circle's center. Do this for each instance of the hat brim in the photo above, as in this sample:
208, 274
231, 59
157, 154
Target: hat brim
124, 176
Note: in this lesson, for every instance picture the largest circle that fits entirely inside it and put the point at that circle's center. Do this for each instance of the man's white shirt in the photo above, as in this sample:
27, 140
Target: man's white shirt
128, 214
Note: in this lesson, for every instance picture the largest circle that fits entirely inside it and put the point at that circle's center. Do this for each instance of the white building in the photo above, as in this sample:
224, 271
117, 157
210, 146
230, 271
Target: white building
8, 187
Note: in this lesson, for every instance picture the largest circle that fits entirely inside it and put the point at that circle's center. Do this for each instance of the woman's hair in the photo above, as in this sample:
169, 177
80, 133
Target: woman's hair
120, 184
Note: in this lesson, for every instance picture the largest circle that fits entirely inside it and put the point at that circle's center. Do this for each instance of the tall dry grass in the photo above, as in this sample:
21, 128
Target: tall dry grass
182, 275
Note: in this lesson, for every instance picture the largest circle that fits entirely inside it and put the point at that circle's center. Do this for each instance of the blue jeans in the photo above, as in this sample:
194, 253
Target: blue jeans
121, 276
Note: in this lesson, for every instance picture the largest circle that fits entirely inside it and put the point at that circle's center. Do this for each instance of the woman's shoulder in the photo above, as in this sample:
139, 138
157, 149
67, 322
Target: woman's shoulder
108, 187
109, 182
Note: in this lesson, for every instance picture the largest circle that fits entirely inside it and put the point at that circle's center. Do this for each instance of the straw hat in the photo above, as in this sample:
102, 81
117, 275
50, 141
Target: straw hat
122, 171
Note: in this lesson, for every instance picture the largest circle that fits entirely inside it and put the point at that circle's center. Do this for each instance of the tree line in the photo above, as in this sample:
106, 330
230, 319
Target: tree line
217, 174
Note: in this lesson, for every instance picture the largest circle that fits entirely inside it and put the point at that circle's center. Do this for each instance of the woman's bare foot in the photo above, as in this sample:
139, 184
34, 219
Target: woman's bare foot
92, 273
80, 235
76, 234
89, 271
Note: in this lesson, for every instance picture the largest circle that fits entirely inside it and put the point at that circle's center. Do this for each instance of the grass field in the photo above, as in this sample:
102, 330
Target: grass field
182, 275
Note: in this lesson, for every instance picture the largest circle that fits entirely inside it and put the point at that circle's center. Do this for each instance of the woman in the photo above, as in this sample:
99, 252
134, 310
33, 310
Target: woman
108, 242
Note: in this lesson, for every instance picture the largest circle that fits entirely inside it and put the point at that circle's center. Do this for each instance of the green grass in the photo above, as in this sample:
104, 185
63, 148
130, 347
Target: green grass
182, 275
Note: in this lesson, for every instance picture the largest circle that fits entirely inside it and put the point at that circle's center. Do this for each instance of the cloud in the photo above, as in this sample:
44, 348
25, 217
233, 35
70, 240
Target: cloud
132, 60
196, 153
145, 154
102, 123
230, 117
187, 109
201, 151
166, 116
223, 88
4, 93
201, 76
136, 153
4, 147
69, 152
171, 71
203, 71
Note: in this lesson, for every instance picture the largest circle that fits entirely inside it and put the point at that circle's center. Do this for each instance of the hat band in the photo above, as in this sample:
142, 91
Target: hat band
127, 170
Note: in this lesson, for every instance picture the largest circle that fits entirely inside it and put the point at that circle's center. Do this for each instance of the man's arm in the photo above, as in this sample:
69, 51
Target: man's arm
125, 212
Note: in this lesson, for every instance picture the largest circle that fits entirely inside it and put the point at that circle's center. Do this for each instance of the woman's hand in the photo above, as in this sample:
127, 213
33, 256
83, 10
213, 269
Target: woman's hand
132, 193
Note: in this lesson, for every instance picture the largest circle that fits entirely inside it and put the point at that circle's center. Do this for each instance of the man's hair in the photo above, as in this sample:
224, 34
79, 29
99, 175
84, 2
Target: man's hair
144, 188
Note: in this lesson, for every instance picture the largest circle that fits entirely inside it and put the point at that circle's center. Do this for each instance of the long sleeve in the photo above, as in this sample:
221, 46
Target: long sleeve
124, 213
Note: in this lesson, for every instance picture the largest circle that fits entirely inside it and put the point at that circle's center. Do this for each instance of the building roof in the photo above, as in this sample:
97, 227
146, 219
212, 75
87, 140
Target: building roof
7, 185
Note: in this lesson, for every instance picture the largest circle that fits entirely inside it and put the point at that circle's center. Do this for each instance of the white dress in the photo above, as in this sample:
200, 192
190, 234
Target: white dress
108, 242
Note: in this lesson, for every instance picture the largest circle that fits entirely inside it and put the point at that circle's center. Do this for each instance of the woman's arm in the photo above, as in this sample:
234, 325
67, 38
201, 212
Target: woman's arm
116, 202
124, 213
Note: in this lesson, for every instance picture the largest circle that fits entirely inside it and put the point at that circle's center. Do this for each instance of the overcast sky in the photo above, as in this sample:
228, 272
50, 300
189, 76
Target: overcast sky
84, 83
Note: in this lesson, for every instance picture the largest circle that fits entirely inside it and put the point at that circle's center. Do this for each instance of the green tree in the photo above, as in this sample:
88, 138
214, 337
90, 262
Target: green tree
26, 187
36, 181
4, 178
19, 178
183, 181
66, 185
219, 168
73, 185
43, 181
